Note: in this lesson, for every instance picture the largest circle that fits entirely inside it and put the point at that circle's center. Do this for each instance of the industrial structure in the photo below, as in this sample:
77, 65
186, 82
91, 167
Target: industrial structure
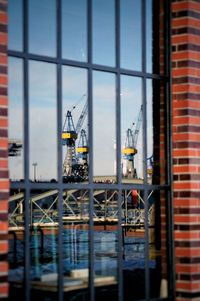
75, 166
130, 149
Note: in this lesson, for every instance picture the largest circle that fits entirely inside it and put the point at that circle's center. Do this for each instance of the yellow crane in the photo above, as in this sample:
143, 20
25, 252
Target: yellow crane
70, 132
130, 149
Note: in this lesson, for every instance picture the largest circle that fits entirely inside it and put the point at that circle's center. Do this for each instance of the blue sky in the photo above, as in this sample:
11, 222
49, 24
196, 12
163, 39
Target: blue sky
42, 78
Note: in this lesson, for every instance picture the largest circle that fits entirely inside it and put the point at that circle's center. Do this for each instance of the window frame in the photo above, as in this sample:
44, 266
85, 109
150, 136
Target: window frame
27, 186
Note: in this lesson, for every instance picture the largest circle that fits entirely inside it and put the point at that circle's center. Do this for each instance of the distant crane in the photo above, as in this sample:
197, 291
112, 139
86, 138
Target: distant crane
69, 137
82, 151
130, 149
71, 166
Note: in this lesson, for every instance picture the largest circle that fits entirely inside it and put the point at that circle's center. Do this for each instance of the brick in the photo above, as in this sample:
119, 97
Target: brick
3, 101
3, 227
183, 71
4, 289
3, 80
4, 143
4, 184
186, 104
185, 88
186, 235
3, 123
3, 38
3, 206
3, 267
3, 247
3, 59
3, 163
3, 18
179, 6
185, 219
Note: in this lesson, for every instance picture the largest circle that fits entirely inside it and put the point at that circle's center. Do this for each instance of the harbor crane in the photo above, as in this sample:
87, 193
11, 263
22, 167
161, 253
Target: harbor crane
82, 151
70, 132
130, 149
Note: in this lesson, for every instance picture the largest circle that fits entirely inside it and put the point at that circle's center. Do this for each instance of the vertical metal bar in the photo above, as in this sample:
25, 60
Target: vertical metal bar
144, 96
59, 148
90, 130
168, 107
26, 157
118, 149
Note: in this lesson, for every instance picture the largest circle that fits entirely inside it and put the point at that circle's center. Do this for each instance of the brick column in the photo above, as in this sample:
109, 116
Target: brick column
4, 182
186, 146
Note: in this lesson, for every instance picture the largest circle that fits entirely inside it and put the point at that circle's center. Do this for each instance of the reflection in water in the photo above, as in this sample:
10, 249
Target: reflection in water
44, 235
75, 246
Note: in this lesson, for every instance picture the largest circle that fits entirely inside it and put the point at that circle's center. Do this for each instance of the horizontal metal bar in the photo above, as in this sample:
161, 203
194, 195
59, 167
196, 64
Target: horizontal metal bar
80, 186
78, 64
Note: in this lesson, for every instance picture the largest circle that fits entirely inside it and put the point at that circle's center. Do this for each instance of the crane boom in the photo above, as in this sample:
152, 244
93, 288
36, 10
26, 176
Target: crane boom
137, 128
81, 118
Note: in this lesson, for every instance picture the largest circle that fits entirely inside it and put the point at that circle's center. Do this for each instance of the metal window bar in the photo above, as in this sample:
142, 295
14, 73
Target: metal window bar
168, 126
90, 131
26, 156
59, 150
118, 149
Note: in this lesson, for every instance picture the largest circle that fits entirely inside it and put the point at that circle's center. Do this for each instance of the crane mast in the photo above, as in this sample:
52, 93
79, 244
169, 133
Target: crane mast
69, 137
82, 151
75, 165
130, 149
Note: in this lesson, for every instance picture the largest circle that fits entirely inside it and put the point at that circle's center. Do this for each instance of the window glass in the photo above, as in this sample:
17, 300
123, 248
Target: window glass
159, 270
43, 242
74, 30
104, 137
75, 125
16, 130
131, 125
104, 32
131, 35
16, 239
42, 121
133, 213
149, 33
76, 241
105, 242
42, 27
15, 32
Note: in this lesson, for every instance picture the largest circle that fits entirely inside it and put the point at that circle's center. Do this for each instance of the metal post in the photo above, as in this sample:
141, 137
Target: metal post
34, 171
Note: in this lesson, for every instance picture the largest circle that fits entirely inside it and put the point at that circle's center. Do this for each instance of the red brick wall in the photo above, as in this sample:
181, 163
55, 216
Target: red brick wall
4, 182
186, 146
